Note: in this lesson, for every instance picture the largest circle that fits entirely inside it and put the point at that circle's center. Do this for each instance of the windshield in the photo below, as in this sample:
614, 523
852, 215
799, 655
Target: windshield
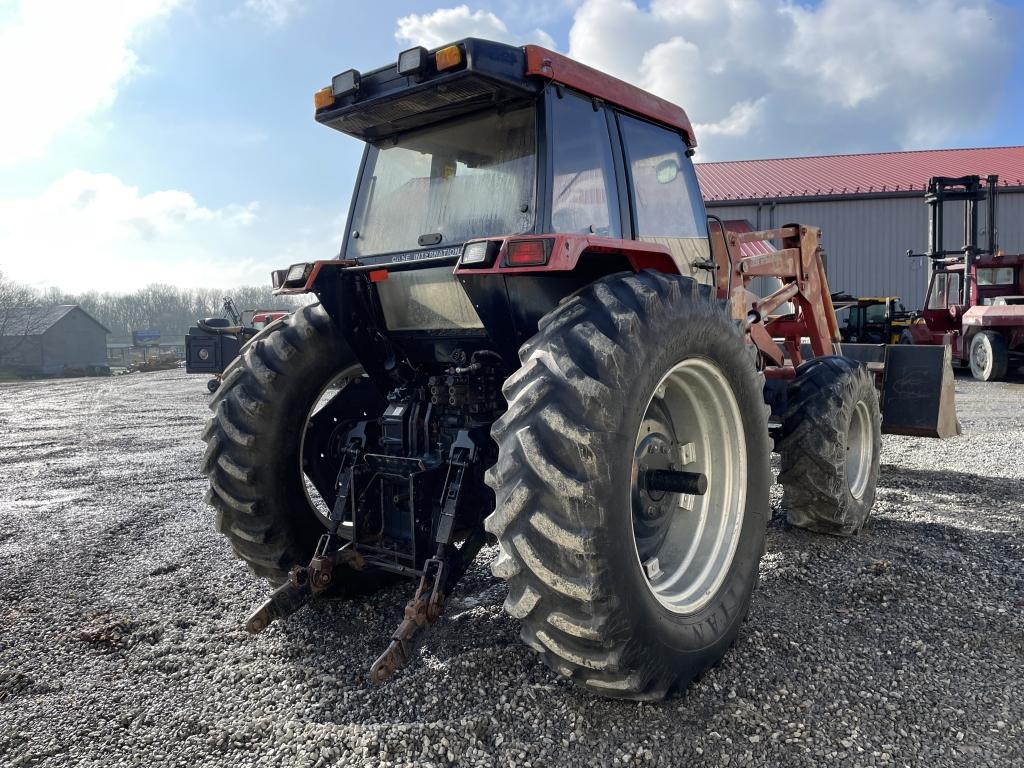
447, 184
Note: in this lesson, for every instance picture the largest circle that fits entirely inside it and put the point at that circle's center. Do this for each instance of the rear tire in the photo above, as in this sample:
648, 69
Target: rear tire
565, 484
254, 443
830, 446
990, 356
212, 385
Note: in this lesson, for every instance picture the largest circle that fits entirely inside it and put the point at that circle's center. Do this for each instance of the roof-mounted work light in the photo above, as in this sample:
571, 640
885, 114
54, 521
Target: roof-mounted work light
345, 83
412, 61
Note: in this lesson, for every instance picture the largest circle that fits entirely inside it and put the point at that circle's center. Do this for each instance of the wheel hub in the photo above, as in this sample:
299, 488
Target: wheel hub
691, 437
652, 452
980, 356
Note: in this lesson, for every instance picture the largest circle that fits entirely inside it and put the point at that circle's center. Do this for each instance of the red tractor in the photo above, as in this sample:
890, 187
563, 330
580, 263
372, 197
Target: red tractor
532, 338
975, 299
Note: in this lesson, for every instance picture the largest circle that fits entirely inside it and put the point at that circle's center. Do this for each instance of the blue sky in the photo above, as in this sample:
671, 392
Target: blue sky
173, 140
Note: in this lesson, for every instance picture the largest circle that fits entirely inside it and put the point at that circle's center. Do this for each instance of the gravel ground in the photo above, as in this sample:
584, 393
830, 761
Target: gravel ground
121, 611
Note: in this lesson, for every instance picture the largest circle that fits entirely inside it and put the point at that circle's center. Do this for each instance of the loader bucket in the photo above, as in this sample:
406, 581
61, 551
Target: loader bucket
918, 392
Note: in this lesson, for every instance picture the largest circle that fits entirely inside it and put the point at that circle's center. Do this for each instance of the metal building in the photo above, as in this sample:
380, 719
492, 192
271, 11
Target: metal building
870, 208
52, 340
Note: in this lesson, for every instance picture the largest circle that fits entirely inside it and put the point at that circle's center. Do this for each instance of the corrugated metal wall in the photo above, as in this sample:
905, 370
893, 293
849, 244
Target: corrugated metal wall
866, 241
74, 341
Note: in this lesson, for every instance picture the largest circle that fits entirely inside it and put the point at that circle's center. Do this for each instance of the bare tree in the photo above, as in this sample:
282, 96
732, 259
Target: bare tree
20, 319
166, 309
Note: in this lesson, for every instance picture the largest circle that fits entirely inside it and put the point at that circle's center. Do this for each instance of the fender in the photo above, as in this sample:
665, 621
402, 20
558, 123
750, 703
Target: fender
565, 251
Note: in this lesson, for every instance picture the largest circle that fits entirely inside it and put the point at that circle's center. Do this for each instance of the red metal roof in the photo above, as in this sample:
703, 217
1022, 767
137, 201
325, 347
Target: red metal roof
544, 63
884, 172
754, 247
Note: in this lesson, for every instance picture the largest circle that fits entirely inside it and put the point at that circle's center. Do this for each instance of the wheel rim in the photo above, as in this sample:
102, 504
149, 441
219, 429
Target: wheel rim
858, 450
326, 394
979, 356
685, 544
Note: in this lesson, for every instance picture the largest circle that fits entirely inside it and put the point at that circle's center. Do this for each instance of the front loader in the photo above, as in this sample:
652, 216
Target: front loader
532, 337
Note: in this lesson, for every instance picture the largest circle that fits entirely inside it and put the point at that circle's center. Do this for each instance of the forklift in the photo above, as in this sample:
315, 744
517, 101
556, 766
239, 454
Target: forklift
975, 298
872, 319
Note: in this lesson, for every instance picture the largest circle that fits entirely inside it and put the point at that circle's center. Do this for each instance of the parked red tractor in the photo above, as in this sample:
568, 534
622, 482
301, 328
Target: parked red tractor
975, 299
532, 338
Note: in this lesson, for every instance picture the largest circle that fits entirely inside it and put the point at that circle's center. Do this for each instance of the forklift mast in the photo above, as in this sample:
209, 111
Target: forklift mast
971, 191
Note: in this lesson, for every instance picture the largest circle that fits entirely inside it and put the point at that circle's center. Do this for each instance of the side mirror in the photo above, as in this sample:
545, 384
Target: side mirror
666, 171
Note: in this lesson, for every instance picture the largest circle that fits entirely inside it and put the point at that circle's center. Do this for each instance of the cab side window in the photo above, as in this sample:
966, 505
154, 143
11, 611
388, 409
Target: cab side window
945, 291
584, 197
666, 198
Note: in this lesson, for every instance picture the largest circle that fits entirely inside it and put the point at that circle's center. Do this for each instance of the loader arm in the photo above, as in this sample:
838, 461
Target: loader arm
917, 395
799, 266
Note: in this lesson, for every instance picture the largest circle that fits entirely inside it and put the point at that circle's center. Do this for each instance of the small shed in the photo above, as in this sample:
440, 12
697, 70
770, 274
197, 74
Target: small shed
52, 340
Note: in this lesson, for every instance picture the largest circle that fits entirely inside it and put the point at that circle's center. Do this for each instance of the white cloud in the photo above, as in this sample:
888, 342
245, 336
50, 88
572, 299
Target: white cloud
91, 231
742, 118
62, 62
770, 77
444, 25
538, 11
275, 12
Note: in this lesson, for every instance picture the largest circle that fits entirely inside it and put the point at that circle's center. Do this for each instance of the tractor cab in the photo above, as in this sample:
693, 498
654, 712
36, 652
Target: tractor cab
501, 161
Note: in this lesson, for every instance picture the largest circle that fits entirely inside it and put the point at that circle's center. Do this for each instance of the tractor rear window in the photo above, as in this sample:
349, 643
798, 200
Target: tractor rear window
443, 185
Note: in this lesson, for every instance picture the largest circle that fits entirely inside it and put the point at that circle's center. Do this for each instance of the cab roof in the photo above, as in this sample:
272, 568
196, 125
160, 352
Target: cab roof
385, 102
540, 62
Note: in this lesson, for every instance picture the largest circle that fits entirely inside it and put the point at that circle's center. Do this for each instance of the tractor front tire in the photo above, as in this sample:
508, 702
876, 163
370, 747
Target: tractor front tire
990, 356
632, 373
830, 446
253, 454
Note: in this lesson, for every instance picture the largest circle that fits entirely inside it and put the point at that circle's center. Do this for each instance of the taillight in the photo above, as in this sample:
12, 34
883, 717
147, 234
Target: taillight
527, 253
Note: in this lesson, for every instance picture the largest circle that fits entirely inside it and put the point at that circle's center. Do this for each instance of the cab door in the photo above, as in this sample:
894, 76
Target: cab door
944, 307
